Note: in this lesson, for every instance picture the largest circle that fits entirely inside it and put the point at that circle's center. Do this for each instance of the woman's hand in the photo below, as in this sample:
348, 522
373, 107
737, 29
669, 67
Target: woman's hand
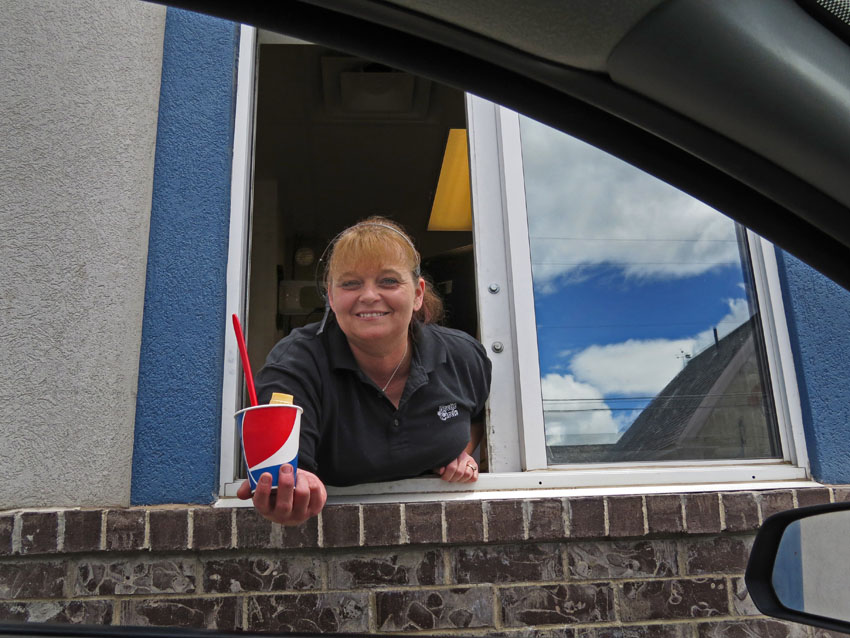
463, 469
289, 504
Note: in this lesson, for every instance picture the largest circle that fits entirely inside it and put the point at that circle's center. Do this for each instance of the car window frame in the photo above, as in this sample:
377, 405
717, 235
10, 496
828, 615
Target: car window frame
519, 438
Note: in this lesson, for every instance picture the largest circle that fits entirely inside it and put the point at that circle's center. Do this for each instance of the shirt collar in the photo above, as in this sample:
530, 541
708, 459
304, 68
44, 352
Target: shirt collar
431, 350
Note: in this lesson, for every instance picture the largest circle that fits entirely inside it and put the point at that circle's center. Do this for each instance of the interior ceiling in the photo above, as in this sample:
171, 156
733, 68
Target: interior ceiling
335, 164
578, 33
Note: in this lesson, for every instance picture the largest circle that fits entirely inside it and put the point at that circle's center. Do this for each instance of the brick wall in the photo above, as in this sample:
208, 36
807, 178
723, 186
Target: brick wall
595, 567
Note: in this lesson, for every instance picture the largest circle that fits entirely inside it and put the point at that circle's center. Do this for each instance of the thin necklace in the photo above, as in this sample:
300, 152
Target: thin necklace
392, 376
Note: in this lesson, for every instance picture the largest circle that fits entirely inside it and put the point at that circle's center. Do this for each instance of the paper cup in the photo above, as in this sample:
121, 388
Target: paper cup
270, 435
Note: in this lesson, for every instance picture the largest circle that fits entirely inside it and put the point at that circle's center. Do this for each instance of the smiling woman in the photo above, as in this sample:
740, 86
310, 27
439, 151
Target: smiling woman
387, 394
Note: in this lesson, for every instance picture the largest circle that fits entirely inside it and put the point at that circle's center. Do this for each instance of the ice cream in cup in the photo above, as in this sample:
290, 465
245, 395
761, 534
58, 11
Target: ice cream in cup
270, 435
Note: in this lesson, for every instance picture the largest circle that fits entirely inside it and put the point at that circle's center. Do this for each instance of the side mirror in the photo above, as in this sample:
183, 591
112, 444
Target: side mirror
799, 567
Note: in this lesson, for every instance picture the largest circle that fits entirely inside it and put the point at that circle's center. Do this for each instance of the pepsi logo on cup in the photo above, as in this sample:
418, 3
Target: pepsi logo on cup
270, 436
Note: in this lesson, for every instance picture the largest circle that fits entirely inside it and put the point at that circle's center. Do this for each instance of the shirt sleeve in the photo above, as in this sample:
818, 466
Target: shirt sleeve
292, 368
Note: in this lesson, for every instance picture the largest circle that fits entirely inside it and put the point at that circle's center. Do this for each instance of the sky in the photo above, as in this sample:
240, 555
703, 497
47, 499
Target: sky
631, 276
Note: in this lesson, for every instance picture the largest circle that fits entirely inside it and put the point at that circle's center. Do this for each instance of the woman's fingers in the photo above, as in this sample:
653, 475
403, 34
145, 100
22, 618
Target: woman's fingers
463, 469
282, 511
244, 491
449, 472
318, 494
290, 503
300, 501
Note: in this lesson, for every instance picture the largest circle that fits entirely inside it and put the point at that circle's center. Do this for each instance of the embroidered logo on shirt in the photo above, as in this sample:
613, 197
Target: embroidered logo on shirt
446, 412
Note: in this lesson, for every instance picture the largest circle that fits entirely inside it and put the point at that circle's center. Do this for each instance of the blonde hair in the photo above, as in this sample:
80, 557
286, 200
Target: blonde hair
376, 241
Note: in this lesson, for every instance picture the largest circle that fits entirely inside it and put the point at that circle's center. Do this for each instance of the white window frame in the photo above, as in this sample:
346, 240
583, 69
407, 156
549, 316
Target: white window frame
505, 247
237, 256
516, 437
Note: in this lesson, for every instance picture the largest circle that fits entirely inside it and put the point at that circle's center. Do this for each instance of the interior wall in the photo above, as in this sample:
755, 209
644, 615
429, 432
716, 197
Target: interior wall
267, 252
79, 88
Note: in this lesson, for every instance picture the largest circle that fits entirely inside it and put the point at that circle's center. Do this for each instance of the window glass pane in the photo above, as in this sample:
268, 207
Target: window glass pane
649, 335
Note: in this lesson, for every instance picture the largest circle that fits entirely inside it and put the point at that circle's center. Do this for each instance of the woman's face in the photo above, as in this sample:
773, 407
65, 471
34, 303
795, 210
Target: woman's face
373, 304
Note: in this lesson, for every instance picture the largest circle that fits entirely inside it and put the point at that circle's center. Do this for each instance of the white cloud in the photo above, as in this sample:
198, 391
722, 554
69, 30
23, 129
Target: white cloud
632, 368
587, 208
576, 413
643, 367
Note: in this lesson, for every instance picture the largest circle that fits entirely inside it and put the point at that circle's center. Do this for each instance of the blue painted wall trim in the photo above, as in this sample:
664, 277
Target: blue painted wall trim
818, 313
178, 407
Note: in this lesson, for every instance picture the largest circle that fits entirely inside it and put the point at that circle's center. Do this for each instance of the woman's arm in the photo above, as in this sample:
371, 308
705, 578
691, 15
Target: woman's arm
464, 469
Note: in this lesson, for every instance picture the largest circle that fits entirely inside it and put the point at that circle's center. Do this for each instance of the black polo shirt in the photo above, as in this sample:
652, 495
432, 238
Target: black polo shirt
350, 431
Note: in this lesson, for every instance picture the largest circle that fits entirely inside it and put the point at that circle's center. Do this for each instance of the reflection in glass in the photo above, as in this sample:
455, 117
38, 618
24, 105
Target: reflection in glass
647, 323
812, 570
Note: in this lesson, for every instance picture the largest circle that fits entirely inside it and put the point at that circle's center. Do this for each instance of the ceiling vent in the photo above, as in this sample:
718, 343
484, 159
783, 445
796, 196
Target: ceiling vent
358, 90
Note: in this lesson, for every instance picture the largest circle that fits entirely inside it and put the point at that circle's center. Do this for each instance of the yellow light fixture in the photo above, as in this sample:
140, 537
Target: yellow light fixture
452, 208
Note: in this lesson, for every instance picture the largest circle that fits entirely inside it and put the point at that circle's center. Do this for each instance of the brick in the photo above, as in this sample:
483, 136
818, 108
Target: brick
459, 608
741, 511
718, 555
812, 496
313, 613
38, 532
506, 564
424, 522
464, 522
136, 577
223, 614
261, 574
530, 632
774, 502
556, 604
504, 521
341, 526
305, 535
702, 513
125, 529
7, 525
382, 524
32, 580
746, 628
169, 530
587, 517
255, 532
636, 631
664, 513
670, 599
82, 530
625, 516
622, 559
742, 604
212, 528
841, 494
545, 520
89, 612
252, 530
373, 569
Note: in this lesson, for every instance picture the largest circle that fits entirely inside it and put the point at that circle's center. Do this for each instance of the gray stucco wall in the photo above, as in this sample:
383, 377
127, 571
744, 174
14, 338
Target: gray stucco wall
79, 91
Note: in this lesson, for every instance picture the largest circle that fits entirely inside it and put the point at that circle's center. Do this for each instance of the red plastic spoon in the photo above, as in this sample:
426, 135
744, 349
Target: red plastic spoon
246, 365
